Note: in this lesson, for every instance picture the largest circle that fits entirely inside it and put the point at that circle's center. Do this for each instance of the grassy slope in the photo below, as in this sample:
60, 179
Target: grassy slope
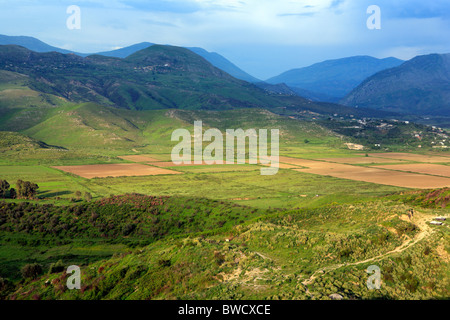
270, 258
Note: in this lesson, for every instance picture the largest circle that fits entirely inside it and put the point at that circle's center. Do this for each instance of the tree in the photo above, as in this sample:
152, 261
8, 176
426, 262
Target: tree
26, 189
19, 186
12, 193
87, 196
78, 195
4, 187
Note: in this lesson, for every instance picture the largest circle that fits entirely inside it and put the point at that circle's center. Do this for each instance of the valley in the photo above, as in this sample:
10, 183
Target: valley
94, 133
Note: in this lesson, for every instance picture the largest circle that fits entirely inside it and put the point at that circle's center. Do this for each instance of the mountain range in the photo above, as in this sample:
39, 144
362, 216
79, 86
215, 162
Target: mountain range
214, 58
158, 77
150, 76
332, 80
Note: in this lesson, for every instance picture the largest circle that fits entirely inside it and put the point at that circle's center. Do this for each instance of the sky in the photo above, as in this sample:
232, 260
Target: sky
263, 37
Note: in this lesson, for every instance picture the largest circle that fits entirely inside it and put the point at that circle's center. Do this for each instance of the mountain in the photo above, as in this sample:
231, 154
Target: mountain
420, 86
30, 43
159, 77
222, 63
214, 58
333, 79
127, 51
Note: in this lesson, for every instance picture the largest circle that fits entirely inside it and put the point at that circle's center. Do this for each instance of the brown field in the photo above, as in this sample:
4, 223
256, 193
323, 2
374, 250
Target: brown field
284, 166
167, 164
373, 175
139, 158
411, 157
219, 168
361, 160
426, 168
115, 170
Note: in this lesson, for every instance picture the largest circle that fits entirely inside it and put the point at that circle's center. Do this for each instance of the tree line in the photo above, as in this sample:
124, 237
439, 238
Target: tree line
23, 190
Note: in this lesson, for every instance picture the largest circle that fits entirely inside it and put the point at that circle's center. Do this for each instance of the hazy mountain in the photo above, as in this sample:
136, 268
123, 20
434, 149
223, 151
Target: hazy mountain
222, 63
334, 79
30, 43
214, 58
126, 51
420, 86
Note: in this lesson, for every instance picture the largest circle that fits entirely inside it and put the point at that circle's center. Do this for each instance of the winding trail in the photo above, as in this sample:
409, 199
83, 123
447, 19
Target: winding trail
418, 219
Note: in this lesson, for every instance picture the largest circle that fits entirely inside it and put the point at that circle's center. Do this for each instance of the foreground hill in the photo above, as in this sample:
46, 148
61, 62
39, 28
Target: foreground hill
181, 248
420, 86
332, 79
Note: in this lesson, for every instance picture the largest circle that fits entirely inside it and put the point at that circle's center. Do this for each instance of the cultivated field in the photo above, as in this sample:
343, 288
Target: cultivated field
425, 168
139, 158
361, 160
411, 157
115, 170
374, 175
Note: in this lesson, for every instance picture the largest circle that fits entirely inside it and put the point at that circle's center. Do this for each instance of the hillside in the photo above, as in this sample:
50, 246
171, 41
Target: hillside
332, 79
214, 58
181, 248
18, 142
420, 86
159, 77
154, 78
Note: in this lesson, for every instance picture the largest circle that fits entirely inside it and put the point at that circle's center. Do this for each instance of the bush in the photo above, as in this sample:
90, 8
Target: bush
164, 263
87, 197
127, 229
31, 271
56, 267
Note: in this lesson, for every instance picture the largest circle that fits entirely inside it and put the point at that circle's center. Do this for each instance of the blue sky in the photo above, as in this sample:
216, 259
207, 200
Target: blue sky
263, 37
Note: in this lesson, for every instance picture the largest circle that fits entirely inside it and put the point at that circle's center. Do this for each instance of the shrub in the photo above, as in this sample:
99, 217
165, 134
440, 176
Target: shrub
31, 271
127, 229
56, 267
164, 263
87, 197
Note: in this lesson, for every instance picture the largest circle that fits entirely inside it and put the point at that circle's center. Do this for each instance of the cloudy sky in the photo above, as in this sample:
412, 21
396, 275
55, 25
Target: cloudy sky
263, 37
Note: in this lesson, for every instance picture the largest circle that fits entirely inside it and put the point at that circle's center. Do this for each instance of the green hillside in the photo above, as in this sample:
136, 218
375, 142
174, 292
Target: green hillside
295, 254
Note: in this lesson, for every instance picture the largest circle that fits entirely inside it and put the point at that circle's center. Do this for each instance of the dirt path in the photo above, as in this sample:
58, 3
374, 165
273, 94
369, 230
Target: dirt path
419, 220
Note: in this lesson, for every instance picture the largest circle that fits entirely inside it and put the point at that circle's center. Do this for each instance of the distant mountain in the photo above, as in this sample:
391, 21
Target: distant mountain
30, 43
127, 51
420, 86
214, 58
220, 62
333, 79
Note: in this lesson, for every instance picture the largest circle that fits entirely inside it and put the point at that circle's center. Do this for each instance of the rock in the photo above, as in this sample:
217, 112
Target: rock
336, 296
